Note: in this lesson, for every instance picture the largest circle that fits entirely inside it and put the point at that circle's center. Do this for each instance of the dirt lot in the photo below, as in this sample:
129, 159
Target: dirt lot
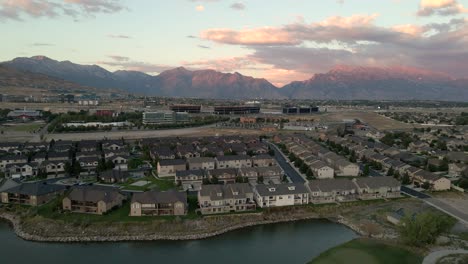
455, 199
373, 119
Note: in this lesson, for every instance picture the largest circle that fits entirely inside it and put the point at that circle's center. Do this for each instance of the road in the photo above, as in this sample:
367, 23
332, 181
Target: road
288, 169
436, 203
433, 257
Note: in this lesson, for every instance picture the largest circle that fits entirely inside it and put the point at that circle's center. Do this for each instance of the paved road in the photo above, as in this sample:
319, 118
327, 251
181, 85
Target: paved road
414, 193
288, 169
436, 255
438, 204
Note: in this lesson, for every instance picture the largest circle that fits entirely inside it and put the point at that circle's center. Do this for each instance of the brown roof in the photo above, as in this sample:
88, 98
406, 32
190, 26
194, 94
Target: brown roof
157, 197
94, 194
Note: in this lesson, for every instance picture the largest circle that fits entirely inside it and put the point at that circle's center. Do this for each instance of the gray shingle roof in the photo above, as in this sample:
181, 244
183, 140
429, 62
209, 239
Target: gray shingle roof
281, 189
94, 194
229, 191
330, 185
36, 188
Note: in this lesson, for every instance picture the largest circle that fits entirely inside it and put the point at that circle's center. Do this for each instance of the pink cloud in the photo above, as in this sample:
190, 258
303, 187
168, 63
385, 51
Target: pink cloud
18, 9
440, 7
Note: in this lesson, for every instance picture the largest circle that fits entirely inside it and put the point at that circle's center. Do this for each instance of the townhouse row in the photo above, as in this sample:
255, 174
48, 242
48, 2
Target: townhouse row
212, 198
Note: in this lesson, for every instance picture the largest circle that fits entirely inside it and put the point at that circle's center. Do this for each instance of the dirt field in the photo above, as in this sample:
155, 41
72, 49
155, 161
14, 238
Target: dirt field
373, 119
185, 132
457, 200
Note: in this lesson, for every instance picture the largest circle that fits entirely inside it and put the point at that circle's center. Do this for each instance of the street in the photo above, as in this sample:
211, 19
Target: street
436, 203
288, 169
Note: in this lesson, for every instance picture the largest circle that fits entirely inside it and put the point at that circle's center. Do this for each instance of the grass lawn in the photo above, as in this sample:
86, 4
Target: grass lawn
158, 184
367, 251
27, 127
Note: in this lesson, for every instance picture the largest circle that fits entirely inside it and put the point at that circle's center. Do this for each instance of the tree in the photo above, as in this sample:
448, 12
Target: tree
424, 228
406, 179
366, 170
390, 172
426, 185
260, 179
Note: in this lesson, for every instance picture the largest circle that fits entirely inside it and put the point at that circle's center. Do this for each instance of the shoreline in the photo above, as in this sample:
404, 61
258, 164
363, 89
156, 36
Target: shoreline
15, 224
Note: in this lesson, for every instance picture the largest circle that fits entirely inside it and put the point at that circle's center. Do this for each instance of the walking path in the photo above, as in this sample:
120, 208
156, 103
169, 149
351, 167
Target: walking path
436, 255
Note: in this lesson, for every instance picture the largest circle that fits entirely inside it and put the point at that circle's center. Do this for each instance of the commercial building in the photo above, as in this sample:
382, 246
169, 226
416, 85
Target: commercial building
300, 110
186, 108
165, 117
237, 110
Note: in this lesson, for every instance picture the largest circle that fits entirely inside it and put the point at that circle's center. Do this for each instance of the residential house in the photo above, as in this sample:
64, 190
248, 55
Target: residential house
11, 159
89, 164
216, 199
114, 176
436, 182
33, 194
263, 161
54, 167
332, 190
205, 163
155, 203
226, 175
190, 179
169, 167
92, 200
162, 153
272, 174
346, 168
456, 169
58, 156
321, 170
234, 161
21, 170
377, 187
285, 194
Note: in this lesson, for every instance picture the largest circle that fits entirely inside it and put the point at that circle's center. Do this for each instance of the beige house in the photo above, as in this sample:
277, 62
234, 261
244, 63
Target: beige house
437, 183
263, 161
204, 163
346, 168
168, 168
321, 170
227, 175
155, 203
234, 161
190, 179
92, 200
33, 194
377, 188
332, 190
216, 199
54, 167
285, 194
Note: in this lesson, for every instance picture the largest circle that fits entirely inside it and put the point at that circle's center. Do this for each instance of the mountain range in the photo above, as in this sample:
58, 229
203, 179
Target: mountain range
341, 82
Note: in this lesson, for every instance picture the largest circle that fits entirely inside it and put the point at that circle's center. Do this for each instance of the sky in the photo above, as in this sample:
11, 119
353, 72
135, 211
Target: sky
279, 40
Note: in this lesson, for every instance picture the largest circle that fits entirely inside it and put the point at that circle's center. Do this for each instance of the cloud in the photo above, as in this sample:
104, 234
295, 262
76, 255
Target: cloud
200, 8
119, 36
222, 64
344, 29
238, 6
440, 7
192, 37
19, 9
204, 47
119, 58
126, 63
303, 49
40, 44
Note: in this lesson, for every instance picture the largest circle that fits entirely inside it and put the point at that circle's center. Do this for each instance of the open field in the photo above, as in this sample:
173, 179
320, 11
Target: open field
128, 134
372, 118
22, 127
367, 251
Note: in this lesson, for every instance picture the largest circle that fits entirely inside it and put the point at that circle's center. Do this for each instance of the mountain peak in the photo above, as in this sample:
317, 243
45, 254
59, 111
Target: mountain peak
41, 58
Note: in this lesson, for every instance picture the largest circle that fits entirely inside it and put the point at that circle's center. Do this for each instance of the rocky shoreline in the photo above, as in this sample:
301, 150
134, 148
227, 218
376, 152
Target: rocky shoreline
17, 228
